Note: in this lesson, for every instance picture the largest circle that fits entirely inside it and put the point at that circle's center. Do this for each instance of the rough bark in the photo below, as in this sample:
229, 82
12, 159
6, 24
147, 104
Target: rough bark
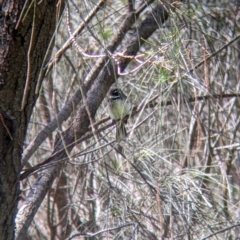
22, 52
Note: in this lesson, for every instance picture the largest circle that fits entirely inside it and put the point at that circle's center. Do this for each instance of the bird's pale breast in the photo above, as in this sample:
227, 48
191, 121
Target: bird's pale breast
118, 110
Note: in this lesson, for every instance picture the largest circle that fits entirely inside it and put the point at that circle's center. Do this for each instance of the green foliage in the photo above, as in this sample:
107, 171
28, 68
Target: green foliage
106, 34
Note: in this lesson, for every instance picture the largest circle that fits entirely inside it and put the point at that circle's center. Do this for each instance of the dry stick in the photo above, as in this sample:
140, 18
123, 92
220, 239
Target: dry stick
82, 26
5, 126
46, 131
215, 53
68, 43
207, 83
160, 207
224, 126
45, 113
48, 52
192, 133
29, 57
208, 155
193, 123
233, 138
72, 37
21, 18
224, 165
220, 231
88, 234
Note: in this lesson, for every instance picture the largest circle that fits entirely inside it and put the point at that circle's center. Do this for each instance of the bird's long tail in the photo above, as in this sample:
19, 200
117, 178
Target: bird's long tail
121, 132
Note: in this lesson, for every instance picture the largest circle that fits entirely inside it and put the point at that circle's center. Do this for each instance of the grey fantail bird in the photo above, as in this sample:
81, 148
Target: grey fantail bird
119, 107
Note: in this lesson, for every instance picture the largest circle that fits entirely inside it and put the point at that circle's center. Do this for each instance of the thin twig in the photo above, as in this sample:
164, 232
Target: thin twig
29, 58
220, 231
7, 129
215, 53
21, 14
79, 48
88, 234
76, 33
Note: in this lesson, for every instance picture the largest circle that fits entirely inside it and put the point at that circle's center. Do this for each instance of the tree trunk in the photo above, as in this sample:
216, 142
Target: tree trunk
23, 47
